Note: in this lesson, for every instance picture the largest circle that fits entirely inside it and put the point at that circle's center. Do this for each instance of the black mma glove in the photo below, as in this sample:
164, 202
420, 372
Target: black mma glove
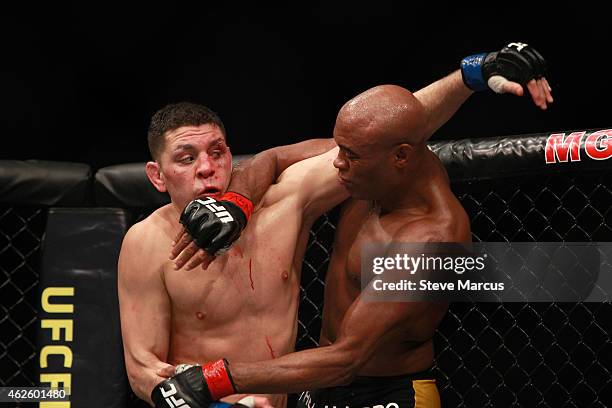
213, 224
197, 386
516, 62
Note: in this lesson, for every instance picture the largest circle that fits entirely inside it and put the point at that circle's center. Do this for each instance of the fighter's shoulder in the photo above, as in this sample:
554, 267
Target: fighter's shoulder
147, 233
144, 252
141, 256
427, 229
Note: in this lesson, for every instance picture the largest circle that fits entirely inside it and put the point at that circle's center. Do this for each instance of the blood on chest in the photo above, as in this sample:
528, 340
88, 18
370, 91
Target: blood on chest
235, 284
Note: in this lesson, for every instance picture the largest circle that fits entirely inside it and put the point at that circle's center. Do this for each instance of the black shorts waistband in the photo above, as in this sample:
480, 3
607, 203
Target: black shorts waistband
400, 391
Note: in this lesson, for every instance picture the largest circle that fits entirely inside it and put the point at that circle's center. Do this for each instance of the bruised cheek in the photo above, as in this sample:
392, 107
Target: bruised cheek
226, 163
221, 166
224, 169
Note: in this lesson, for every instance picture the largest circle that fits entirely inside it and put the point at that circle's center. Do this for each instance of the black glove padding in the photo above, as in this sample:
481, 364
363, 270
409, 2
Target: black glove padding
188, 387
213, 225
517, 62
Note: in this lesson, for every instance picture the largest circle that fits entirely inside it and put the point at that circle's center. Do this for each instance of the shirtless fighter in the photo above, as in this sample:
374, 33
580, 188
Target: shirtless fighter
170, 315
377, 353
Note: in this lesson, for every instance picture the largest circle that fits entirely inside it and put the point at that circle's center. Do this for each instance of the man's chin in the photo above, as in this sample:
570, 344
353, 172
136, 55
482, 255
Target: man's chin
357, 194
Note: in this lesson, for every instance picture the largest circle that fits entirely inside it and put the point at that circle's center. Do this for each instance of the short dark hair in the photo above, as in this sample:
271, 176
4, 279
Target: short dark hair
175, 115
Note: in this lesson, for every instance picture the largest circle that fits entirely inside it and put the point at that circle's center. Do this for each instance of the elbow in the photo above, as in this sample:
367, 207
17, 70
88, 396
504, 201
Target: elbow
138, 383
142, 381
273, 161
136, 378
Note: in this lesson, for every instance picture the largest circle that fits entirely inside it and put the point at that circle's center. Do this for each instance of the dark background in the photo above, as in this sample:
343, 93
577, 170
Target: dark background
79, 82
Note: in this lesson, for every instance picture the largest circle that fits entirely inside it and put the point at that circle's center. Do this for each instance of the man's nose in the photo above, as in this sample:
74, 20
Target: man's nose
205, 167
340, 163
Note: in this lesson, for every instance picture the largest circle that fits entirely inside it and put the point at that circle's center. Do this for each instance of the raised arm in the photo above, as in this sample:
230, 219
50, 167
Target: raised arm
510, 70
442, 99
504, 71
252, 177
250, 180
145, 314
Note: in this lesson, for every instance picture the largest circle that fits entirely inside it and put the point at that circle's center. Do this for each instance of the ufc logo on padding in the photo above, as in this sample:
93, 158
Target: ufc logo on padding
170, 400
219, 210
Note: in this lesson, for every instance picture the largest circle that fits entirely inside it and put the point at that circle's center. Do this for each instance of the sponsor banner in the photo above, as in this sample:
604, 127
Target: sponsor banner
79, 339
487, 272
575, 147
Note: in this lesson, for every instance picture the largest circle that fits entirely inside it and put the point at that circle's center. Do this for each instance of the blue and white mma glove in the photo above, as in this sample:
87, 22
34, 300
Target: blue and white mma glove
517, 62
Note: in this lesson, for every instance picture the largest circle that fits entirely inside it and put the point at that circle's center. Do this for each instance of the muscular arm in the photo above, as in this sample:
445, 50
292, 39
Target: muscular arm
145, 315
363, 327
313, 183
442, 99
252, 177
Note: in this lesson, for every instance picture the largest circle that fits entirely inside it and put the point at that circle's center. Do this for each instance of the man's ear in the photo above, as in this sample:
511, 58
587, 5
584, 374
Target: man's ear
154, 174
402, 154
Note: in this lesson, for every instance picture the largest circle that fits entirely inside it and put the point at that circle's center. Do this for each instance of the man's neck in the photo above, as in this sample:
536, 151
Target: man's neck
175, 211
413, 200
413, 193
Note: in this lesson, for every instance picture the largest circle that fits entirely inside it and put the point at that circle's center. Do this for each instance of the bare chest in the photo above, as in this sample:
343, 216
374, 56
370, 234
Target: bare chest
358, 227
235, 283
256, 276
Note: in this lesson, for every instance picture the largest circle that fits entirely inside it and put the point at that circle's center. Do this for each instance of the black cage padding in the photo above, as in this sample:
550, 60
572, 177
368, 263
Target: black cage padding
495, 157
126, 185
45, 183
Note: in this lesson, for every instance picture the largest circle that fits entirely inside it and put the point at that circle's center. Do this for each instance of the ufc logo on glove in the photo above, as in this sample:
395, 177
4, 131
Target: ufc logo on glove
169, 397
219, 210
213, 234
